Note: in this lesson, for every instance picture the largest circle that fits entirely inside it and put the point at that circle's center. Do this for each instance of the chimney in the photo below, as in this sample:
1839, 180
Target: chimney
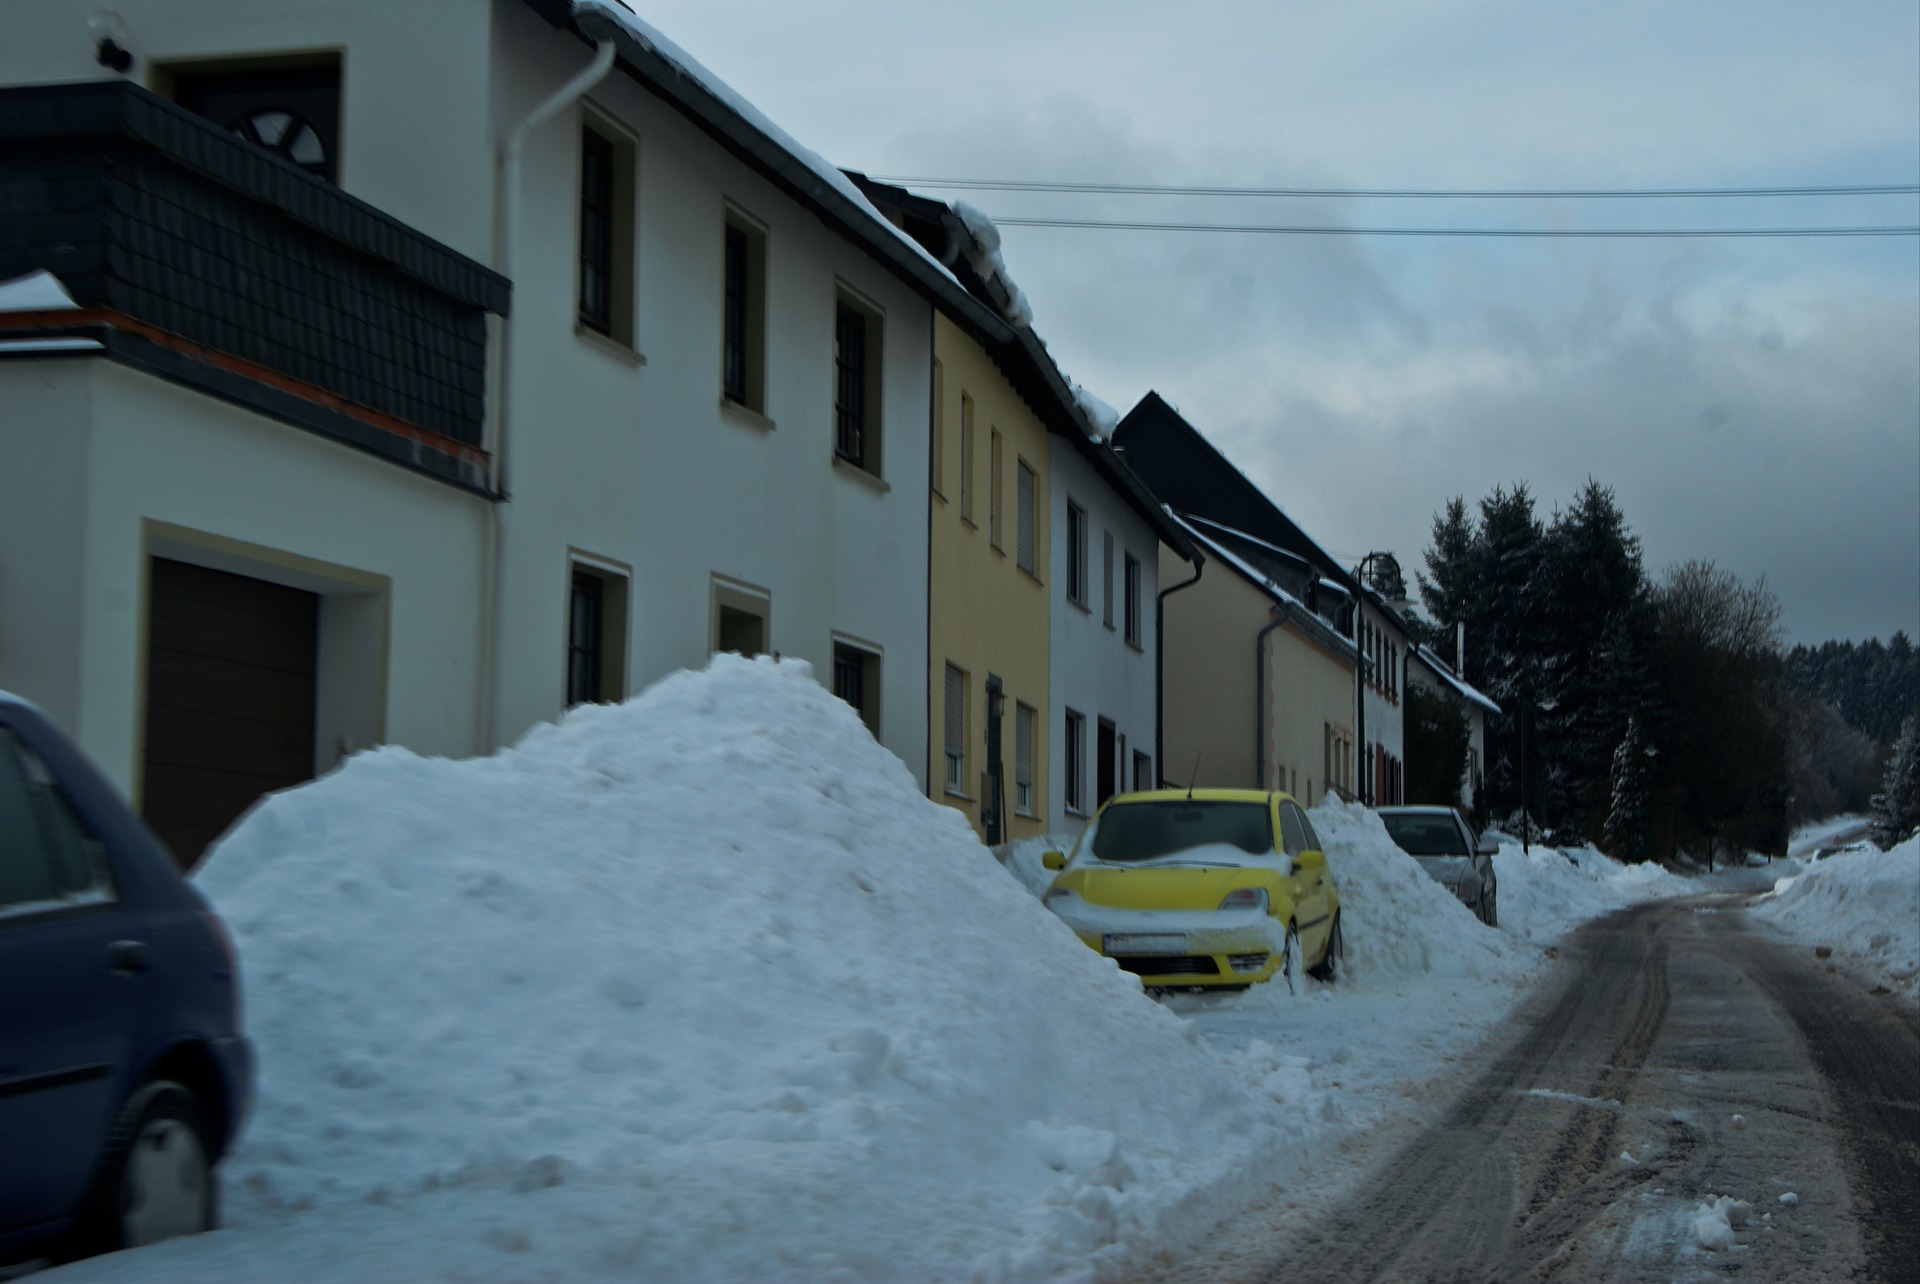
1460, 650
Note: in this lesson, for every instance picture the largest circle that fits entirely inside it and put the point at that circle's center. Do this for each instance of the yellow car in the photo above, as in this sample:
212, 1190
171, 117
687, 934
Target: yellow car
1201, 887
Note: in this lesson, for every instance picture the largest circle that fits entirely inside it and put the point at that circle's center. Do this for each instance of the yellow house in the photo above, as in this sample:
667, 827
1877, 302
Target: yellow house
987, 624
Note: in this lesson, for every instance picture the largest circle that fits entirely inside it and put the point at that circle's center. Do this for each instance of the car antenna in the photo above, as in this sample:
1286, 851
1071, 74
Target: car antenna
1195, 777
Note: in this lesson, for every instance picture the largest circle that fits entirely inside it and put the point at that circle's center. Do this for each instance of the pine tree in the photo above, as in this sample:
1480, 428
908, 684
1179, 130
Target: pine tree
1630, 822
1896, 808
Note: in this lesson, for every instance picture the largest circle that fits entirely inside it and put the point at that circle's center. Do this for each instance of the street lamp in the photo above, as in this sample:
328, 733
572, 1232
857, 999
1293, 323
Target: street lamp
1526, 819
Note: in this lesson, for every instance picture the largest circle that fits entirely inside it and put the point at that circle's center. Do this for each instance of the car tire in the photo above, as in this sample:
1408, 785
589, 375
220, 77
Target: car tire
1290, 960
157, 1180
1329, 965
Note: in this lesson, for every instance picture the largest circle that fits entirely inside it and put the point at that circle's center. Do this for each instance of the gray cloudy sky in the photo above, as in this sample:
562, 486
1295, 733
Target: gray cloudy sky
1756, 402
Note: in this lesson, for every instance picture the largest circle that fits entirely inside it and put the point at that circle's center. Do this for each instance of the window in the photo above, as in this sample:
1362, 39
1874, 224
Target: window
1024, 721
939, 431
993, 487
856, 679
291, 107
956, 731
1106, 578
1026, 518
743, 316
1131, 584
1142, 771
47, 856
856, 384
966, 457
1076, 554
1075, 745
596, 635
606, 232
742, 618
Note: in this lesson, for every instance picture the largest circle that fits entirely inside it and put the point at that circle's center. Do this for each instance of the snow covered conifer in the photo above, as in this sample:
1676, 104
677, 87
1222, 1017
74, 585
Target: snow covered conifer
1896, 808
1630, 821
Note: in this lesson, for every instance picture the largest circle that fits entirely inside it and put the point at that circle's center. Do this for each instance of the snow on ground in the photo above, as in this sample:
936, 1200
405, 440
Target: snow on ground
700, 987
1864, 905
1546, 892
1809, 839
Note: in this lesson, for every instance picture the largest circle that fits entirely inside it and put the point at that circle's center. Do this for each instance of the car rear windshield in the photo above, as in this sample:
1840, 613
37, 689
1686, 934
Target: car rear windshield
1426, 835
1148, 830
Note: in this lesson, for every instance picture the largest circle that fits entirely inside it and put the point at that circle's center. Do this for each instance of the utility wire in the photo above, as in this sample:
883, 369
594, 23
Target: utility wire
1401, 193
1274, 229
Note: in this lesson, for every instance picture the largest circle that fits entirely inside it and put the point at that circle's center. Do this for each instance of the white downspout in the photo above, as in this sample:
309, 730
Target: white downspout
506, 229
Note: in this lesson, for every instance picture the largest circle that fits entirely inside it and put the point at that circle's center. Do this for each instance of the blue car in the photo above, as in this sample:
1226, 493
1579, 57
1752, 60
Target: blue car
124, 1075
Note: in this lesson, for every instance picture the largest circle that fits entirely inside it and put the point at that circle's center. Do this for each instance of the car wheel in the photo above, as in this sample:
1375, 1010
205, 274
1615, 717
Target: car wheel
157, 1181
1329, 964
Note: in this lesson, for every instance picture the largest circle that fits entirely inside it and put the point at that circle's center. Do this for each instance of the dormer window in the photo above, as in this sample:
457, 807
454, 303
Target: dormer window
288, 107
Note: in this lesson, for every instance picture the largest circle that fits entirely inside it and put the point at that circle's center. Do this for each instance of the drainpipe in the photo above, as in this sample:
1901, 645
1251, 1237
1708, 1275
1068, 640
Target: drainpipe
506, 228
1260, 699
1160, 670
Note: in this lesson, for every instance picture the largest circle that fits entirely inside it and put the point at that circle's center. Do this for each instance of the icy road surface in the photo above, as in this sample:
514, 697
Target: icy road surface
1688, 1096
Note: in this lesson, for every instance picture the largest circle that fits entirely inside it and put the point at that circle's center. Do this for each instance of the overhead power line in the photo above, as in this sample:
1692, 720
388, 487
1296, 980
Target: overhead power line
1410, 193
1283, 229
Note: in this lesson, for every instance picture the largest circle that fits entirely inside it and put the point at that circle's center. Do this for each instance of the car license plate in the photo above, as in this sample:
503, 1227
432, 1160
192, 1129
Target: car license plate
1144, 943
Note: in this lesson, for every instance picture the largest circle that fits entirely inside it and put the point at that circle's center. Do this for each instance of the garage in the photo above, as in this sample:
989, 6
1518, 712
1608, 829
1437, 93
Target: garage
231, 667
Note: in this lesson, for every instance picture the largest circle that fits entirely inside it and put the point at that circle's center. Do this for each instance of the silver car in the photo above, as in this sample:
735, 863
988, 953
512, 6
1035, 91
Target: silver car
1447, 849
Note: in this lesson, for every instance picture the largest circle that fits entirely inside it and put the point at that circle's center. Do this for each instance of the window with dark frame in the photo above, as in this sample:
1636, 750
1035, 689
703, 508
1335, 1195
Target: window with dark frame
966, 457
850, 385
1076, 752
1027, 518
596, 231
1130, 586
1024, 719
955, 731
856, 679
1142, 771
993, 487
584, 633
734, 351
1106, 578
1076, 554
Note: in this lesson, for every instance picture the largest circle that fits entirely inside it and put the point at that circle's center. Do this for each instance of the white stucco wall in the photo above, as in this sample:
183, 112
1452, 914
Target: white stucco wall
1092, 670
97, 455
1386, 718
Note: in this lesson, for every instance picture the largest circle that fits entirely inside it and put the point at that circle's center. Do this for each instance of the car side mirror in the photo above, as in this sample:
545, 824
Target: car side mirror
1310, 860
1488, 845
1053, 860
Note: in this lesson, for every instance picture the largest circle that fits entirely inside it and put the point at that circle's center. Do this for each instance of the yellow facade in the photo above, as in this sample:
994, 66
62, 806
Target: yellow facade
986, 613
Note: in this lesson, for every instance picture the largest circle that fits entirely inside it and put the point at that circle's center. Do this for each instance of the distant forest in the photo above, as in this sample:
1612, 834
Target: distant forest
1646, 716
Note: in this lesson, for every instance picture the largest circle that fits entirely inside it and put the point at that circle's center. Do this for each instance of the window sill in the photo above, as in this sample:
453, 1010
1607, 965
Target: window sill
999, 552
855, 472
971, 524
1107, 625
1134, 644
938, 494
1075, 811
1028, 572
608, 344
742, 413
955, 793
1084, 610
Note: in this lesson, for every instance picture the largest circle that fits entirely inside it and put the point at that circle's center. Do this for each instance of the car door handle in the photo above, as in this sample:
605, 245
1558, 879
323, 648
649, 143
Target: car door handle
128, 958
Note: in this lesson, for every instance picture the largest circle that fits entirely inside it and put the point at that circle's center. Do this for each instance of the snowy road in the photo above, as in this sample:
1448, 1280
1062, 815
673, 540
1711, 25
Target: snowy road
1682, 1074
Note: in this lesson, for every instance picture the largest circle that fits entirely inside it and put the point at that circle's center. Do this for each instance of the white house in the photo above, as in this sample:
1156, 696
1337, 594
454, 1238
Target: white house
304, 416
1429, 672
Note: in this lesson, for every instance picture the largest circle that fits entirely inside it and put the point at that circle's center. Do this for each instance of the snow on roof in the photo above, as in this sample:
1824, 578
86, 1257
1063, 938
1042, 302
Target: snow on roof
1444, 671
651, 39
1101, 417
35, 292
983, 254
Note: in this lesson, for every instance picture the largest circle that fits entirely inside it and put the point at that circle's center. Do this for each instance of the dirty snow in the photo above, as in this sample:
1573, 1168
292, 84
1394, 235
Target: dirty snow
1864, 905
1546, 892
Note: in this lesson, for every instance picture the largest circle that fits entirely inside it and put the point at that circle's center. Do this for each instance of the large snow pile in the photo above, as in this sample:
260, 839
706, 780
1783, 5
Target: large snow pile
1398, 922
708, 976
1546, 892
1863, 904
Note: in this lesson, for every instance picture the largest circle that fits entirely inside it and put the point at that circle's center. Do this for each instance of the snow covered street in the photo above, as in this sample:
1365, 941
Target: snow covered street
700, 987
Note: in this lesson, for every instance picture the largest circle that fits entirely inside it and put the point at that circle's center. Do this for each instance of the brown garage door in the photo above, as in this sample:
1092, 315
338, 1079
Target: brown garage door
230, 681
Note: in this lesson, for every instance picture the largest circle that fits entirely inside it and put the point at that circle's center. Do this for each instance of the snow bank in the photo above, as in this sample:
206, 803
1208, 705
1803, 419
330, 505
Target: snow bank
707, 975
1546, 892
1398, 922
1863, 904
1714, 1222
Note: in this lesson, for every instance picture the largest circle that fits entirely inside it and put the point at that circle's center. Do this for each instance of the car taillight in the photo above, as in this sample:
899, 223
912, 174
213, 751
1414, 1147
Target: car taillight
1244, 898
